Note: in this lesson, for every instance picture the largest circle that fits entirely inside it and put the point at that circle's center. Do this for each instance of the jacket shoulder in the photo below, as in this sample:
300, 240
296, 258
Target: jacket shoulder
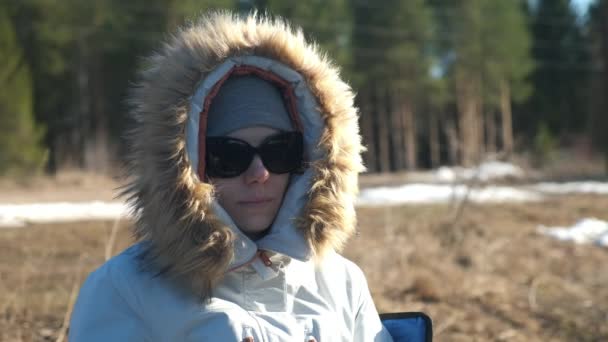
122, 271
105, 308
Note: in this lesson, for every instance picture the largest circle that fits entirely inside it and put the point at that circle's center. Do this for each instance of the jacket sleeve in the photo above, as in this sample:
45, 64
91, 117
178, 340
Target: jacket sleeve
368, 326
101, 312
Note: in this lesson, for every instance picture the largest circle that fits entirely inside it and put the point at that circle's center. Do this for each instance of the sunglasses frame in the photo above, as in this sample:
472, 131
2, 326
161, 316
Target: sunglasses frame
252, 152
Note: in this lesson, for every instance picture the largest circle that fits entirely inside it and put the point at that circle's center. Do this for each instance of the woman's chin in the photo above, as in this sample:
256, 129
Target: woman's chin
255, 232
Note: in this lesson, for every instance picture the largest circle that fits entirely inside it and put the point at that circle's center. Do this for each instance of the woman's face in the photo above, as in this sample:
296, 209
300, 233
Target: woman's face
254, 197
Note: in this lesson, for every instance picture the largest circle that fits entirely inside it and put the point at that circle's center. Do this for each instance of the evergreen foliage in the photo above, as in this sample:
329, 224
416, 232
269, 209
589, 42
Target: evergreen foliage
432, 77
21, 150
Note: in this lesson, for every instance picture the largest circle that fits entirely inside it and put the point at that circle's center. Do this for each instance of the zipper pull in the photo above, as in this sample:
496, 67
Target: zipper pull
265, 259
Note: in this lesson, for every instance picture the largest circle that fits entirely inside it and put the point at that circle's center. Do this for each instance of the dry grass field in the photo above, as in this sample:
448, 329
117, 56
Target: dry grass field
486, 275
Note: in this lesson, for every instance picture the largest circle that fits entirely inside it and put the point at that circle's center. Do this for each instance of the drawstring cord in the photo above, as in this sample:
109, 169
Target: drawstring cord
265, 258
259, 254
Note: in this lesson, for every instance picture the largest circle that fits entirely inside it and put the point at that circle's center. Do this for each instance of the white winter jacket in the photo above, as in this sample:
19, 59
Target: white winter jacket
193, 275
287, 301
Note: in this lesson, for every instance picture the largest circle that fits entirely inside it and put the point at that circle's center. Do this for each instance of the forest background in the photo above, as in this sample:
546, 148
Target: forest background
438, 82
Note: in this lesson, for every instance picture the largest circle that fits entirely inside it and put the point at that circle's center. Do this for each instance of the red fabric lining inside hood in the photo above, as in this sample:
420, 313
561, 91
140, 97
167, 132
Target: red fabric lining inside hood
286, 89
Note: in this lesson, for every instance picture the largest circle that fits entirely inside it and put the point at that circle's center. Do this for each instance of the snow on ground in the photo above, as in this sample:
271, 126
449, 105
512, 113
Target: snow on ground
18, 215
486, 171
442, 193
589, 230
13, 215
572, 187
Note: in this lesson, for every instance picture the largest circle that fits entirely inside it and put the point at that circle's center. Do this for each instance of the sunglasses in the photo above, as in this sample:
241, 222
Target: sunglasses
228, 157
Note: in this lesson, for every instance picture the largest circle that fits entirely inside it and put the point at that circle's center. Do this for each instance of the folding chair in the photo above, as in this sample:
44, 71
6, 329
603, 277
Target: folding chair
408, 326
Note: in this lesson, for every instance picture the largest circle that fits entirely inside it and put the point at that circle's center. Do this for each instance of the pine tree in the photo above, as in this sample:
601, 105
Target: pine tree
465, 45
599, 122
507, 62
561, 77
484, 52
83, 54
390, 45
20, 135
327, 22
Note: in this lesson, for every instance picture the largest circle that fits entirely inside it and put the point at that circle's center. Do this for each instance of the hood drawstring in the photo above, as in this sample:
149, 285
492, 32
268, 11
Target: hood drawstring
265, 258
259, 254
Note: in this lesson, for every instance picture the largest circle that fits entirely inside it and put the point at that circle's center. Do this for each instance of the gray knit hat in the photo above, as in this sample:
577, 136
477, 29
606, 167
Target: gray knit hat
245, 101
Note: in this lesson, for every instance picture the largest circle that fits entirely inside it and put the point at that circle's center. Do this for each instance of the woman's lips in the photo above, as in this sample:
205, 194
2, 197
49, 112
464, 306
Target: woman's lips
255, 202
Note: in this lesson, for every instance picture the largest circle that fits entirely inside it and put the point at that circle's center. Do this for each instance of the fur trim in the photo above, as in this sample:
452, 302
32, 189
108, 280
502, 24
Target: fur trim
173, 208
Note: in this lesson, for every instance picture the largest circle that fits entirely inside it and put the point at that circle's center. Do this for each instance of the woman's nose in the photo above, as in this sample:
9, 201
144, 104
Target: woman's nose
256, 172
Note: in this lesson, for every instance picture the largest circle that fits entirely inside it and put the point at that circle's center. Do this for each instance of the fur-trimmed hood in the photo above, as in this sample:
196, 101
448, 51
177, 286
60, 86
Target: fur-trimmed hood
188, 236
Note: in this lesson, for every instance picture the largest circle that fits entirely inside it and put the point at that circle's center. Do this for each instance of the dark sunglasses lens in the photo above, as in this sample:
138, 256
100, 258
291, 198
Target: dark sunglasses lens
227, 157
283, 152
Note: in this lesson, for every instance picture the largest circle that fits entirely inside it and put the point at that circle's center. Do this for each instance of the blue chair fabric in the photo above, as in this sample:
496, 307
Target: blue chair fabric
408, 326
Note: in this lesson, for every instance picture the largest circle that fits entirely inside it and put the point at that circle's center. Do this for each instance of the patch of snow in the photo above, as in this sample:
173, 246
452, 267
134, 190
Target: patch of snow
18, 215
13, 215
446, 174
589, 230
12, 222
572, 187
486, 171
437, 193
603, 240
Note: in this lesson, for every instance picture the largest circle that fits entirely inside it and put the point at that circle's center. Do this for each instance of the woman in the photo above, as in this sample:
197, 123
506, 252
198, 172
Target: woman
244, 164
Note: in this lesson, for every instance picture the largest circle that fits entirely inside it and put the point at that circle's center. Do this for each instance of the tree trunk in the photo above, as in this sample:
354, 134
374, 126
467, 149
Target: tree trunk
410, 135
367, 130
490, 132
81, 130
479, 147
97, 150
464, 124
397, 133
434, 143
604, 28
454, 144
507, 119
468, 104
383, 131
